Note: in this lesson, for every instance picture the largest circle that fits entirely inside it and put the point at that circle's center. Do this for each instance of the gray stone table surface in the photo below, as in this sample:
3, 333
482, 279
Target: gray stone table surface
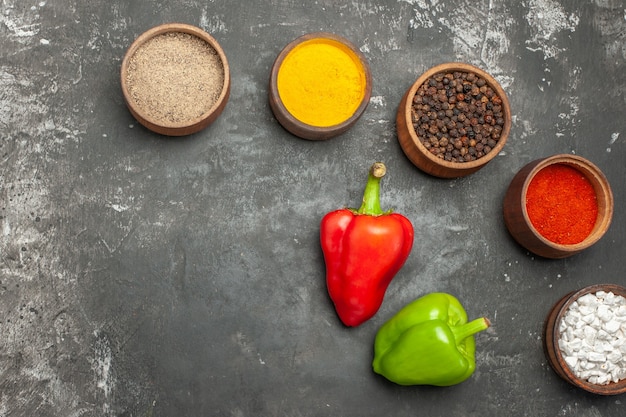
142, 275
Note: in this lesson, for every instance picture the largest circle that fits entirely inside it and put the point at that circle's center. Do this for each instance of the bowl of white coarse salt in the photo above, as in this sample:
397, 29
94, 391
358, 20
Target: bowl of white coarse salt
175, 79
585, 338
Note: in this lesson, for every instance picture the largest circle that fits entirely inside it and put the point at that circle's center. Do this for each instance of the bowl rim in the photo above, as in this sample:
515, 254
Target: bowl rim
493, 83
170, 28
300, 128
600, 185
552, 336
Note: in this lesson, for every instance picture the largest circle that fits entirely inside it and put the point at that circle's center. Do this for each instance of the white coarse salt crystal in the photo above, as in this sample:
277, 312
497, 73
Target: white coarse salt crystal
590, 335
586, 309
612, 326
572, 318
570, 334
618, 341
596, 357
596, 323
579, 333
566, 348
609, 298
588, 300
614, 356
604, 313
601, 347
576, 344
615, 376
571, 361
588, 318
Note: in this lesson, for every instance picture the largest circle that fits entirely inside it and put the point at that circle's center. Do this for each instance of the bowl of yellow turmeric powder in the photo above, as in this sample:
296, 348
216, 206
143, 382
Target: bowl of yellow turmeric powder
320, 85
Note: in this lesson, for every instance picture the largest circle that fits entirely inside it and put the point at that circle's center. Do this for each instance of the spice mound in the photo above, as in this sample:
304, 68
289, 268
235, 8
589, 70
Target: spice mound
593, 337
561, 204
457, 116
321, 82
175, 78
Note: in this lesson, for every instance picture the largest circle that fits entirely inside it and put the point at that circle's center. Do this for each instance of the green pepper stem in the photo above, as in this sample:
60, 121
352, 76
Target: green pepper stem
471, 328
371, 195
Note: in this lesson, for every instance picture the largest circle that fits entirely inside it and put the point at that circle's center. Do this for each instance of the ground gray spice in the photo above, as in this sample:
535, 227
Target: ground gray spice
174, 78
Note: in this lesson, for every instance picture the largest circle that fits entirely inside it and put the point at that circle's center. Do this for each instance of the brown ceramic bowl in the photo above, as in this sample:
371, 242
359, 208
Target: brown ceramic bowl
175, 79
298, 124
412, 144
551, 336
516, 215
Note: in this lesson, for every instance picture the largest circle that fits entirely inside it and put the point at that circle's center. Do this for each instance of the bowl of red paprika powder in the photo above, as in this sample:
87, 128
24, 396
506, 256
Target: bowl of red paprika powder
453, 120
320, 85
558, 206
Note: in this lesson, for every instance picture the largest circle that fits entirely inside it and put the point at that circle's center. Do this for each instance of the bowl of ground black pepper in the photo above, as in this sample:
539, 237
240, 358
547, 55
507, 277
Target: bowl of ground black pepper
175, 79
453, 120
320, 85
584, 338
558, 206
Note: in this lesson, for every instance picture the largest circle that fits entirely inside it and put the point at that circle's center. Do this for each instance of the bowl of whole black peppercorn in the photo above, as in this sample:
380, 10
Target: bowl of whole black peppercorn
453, 120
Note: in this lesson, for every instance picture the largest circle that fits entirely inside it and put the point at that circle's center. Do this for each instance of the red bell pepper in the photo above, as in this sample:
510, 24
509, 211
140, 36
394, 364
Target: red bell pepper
363, 250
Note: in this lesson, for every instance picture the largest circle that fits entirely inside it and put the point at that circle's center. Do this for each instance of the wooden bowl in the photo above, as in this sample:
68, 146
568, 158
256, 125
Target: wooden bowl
320, 121
516, 215
175, 79
551, 336
411, 142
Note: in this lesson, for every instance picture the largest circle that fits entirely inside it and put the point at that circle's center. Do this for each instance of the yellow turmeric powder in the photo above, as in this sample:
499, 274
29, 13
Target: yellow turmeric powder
321, 82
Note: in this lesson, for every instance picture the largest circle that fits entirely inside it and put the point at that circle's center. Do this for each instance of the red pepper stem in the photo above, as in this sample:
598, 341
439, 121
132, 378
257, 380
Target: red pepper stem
471, 328
371, 195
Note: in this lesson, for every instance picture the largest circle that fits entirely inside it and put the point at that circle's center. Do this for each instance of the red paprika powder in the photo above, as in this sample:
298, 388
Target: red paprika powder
561, 204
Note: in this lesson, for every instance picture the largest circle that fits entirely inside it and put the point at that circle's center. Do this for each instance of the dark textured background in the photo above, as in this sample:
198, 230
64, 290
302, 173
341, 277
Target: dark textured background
142, 275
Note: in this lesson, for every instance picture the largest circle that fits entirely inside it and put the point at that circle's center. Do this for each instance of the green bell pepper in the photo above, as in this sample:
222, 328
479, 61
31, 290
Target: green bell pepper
428, 342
